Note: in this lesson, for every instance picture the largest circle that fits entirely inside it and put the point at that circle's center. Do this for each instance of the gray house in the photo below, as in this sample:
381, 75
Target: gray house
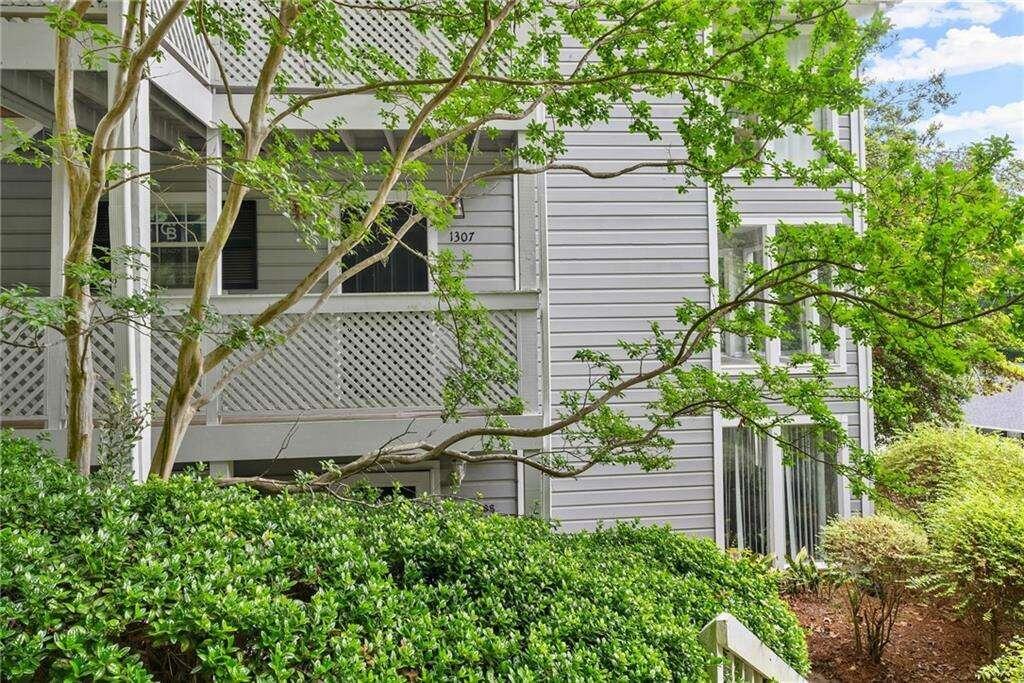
563, 260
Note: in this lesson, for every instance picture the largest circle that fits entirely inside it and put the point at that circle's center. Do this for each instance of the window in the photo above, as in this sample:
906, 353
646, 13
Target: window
405, 270
811, 489
737, 251
745, 470
177, 233
405, 483
803, 325
775, 509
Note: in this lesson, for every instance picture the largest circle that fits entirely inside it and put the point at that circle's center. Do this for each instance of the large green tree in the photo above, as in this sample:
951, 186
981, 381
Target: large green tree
990, 177
728, 69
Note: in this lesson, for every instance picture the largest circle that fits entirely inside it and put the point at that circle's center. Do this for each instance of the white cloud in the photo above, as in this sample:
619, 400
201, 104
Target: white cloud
1007, 119
921, 13
960, 51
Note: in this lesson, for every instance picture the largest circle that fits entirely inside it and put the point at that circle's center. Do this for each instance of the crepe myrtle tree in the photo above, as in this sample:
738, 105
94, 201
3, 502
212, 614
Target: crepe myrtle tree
561, 66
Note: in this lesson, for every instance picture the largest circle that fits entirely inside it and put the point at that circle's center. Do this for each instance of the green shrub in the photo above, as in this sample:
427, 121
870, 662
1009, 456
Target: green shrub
181, 579
977, 556
872, 559
1009, 668
931, 462
802, 574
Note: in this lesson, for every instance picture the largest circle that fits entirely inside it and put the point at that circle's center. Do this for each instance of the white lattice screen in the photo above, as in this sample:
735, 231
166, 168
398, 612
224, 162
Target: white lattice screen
183, 38
388, 33
338, 361
354, 361
22, 373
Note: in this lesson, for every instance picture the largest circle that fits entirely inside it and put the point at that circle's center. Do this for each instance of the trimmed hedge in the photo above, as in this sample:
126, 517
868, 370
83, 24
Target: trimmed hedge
183, 580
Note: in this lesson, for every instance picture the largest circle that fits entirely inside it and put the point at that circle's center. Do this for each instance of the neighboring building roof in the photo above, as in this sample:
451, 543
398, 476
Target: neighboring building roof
1001, 412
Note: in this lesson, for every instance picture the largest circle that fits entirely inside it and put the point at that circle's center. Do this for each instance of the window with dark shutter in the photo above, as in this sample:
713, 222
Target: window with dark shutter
238, 262
101, 238
404, 270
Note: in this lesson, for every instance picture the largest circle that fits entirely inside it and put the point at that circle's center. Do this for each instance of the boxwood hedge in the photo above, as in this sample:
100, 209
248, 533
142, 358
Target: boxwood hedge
182, 580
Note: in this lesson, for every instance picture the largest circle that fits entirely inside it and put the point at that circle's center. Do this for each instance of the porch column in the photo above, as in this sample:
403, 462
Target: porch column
129, 227
60, 237
214, 189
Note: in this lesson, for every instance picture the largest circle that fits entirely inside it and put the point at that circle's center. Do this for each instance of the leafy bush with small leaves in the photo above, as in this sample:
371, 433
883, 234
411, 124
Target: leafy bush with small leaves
121, 421
181, 579
931, 462
873, 559
1009, 668
977, 557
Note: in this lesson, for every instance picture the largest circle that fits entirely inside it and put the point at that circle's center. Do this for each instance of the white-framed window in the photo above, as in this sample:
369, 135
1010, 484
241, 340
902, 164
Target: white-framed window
737, 252
733, 254
812, 489
795, 145
771, 508
177, 234
745, 475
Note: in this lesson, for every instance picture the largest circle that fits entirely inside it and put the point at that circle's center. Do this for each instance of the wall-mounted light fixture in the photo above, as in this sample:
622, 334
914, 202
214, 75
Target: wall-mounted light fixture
460, 209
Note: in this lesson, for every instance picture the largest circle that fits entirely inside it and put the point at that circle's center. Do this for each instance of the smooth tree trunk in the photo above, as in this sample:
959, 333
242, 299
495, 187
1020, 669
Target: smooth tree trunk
81, 384
180, 407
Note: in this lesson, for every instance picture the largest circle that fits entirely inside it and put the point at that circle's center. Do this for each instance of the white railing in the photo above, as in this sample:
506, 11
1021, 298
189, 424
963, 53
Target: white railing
742, 656
377, 354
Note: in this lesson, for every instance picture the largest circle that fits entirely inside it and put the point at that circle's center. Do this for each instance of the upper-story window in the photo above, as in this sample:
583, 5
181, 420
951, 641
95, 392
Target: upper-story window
737, 251
405, 269
178, 225
802, 323
794, 146
177, 234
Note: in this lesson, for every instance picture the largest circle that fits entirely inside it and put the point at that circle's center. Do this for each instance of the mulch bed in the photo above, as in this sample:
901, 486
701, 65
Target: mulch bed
926, 645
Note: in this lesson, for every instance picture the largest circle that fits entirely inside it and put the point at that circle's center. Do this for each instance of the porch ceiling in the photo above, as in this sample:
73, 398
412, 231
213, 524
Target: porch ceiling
30, 93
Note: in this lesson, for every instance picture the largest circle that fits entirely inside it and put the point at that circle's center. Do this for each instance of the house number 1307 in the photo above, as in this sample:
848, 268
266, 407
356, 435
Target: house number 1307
462, 237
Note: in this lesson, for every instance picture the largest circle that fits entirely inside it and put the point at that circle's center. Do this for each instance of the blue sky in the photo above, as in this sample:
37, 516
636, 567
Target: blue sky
979, 44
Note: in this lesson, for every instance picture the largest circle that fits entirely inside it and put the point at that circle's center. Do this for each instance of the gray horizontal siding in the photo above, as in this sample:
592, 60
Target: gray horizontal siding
624, 252
491, 484
25, 226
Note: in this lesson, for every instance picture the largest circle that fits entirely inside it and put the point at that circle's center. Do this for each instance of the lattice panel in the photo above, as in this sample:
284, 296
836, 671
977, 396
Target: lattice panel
378, 360
22, 373
104, 360
184, 39
163, 350
390, 33
448, 354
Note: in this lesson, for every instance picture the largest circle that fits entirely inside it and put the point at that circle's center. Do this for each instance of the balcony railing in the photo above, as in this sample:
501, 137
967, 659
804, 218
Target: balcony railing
357, 356
741, 655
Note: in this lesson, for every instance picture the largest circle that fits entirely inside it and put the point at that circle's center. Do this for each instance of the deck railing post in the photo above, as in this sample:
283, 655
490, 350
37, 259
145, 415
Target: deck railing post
527, 356
60, 236
129, 206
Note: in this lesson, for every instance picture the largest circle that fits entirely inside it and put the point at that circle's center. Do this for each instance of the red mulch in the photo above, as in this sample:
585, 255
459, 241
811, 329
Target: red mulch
926, 644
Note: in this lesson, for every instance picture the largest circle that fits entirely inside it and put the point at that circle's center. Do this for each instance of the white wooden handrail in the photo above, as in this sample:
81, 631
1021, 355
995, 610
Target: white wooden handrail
742, 656
251, 304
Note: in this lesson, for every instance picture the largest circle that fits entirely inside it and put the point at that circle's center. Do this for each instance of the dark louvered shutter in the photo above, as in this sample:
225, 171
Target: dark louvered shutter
238, 262
101, 238
403, 271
